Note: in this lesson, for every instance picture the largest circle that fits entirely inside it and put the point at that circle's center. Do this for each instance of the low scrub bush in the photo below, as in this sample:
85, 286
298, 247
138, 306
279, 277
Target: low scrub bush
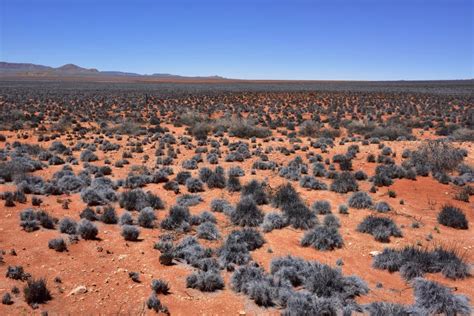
273, 221
130, 233
360, 200
321, 207
247, 213
452, 217
147, 217
57, 244
415, 262
68, 226
87, 230
344, 182
322, 238
379, 227
209, 281
160, 286
432, 298
109, 215
208, 231
36, 292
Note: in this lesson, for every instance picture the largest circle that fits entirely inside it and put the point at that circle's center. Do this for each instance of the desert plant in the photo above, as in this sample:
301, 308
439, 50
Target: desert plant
322, 238
432, 298
344, 182
68, 226
360, 200
87, 230
57, 244
109, 215
160, 286
130, 233
273, 221
36, 292
415, 262
321, 207
247, 213
379, 227
452, 217
208, 281
208, 231
146, 217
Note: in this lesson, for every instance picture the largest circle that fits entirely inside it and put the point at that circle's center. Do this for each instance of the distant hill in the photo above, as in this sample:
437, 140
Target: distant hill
26, 70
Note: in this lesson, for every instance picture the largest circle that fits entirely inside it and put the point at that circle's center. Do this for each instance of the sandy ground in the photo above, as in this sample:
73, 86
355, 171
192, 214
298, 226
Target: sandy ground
102, 265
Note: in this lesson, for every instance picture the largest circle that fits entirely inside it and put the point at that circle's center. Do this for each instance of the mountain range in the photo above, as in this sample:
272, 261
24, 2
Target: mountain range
26, 70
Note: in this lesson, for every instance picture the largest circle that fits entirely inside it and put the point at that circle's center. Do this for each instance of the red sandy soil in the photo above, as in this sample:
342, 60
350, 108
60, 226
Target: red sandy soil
103, 265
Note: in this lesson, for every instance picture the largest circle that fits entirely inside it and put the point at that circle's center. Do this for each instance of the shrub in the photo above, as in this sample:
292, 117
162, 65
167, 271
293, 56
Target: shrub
273, 221
321, 207
217, 179
130, 233
208, 281
379, 227
178, 215
233, 184
154, 303
126, 219
343, 209
189, 199
331, 221
385, 308
109, 216
312, 183
236, 172
246, 129
100, 192
257, 191
433, 298
220, 205
36, 292
68, 226
284, 195
87, 230
194, 185
232, 253
16, 273
248, 236
137, 199
7, 299
88, 156
190, 251
247, 213
344, 182
322, 238
208, 231
452, 217
57, 244
146, 217
88, 214
360, 200
438, 156
299, 215
160, 286
415, 262
294, 170
382, 207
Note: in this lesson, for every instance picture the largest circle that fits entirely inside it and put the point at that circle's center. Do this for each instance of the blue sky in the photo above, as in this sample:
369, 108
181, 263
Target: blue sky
248, 39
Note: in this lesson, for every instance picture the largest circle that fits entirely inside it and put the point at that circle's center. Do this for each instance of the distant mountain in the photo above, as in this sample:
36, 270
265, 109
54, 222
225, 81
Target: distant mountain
70, 70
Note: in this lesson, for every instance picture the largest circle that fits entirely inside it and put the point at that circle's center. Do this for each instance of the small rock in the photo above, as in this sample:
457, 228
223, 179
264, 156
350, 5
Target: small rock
375, 253
81, 289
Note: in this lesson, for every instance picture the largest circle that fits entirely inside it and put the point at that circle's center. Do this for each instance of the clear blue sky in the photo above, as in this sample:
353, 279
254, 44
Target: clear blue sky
254, 39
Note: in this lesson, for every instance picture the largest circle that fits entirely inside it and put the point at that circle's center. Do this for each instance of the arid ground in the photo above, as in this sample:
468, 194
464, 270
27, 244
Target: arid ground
223, 182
